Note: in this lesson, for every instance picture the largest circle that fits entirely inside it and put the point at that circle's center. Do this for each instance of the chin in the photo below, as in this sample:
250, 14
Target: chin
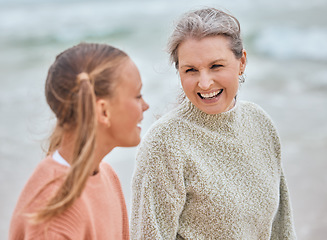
135, 144
132, 143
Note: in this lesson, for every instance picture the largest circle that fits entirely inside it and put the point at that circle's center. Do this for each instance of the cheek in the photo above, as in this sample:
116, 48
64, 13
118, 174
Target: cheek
187, 84
134, 110
229, 79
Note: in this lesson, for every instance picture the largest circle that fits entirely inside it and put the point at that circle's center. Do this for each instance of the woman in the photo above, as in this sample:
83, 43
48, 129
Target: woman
211, 168
94, 91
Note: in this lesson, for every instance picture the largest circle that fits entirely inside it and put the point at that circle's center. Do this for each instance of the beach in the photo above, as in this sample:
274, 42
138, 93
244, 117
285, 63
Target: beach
286, 75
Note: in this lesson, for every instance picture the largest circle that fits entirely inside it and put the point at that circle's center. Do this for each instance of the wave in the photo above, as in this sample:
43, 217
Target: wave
31, 24
292, 43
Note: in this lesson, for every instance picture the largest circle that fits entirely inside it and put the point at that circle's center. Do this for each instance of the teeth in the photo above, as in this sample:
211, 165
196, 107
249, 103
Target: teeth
210, 95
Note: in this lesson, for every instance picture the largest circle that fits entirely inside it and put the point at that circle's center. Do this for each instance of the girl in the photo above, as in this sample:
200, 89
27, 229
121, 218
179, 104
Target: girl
94, 91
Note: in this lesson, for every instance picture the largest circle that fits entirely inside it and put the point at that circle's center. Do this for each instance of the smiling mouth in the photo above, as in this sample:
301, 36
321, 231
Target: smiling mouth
210, 95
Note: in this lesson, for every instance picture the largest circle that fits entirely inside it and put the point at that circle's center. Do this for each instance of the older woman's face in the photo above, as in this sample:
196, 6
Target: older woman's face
209, 73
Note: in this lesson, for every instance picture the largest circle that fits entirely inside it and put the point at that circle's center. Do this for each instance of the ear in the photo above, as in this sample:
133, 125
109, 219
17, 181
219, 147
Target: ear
243, 61
103, 111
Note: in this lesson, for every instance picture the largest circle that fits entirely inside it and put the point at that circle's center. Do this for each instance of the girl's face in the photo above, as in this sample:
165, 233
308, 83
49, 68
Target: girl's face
209, 73
127, 107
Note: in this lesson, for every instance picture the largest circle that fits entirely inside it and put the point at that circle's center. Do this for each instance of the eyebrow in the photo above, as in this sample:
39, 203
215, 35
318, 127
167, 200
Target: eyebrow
211, 63
218, 60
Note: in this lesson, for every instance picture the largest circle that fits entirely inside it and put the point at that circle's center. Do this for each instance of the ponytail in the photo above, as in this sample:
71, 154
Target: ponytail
81, 167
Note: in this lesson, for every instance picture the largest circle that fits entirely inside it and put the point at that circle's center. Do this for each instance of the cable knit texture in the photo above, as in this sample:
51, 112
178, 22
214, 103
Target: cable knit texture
100, 212
201, 176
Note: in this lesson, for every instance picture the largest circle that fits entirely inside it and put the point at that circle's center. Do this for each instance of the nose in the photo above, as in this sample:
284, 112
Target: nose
145, 106
205, 80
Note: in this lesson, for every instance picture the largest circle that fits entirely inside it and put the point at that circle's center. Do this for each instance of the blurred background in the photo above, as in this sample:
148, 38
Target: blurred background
286, 74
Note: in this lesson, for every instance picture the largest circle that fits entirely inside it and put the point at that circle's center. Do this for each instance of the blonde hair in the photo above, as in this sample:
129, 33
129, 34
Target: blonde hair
203, 23
78, 76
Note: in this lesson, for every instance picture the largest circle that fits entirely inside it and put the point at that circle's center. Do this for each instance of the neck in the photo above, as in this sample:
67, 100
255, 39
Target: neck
209, 121
66, 150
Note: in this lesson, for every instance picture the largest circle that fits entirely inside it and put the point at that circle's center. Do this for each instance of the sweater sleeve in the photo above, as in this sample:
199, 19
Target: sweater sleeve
283, 228
158, 192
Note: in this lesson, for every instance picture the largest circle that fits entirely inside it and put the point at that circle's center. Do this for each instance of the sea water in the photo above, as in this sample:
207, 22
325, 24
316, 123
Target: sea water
286, 74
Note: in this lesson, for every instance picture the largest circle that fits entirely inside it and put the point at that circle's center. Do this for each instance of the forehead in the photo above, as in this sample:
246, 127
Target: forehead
129, 76
204, 49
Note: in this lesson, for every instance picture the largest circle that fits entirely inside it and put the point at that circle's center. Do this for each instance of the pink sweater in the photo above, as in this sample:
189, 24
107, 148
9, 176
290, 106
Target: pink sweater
100, 212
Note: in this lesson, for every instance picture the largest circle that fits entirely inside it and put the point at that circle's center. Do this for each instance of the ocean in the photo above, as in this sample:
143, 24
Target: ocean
286, 74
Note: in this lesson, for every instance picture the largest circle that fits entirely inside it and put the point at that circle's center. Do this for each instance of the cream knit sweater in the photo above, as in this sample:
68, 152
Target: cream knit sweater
201, 176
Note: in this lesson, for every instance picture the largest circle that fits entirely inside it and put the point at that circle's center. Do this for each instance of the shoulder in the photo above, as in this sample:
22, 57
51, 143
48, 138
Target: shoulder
108, 172
254, 112
48, 169
171, 122
163, 138
41, 185
106, 168
252, 108
109, 179
259, 120
46, 177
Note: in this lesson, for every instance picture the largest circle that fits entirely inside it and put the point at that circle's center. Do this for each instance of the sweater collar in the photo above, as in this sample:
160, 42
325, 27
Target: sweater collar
211, 121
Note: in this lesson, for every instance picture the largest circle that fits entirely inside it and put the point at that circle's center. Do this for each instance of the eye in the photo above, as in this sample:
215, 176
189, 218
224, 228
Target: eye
139, 96
190, 70
216, 66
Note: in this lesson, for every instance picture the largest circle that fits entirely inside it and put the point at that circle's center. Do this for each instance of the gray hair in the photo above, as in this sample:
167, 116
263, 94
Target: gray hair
204, 23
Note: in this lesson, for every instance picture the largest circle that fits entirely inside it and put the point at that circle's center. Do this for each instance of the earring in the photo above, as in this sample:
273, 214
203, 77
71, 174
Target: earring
241, 78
